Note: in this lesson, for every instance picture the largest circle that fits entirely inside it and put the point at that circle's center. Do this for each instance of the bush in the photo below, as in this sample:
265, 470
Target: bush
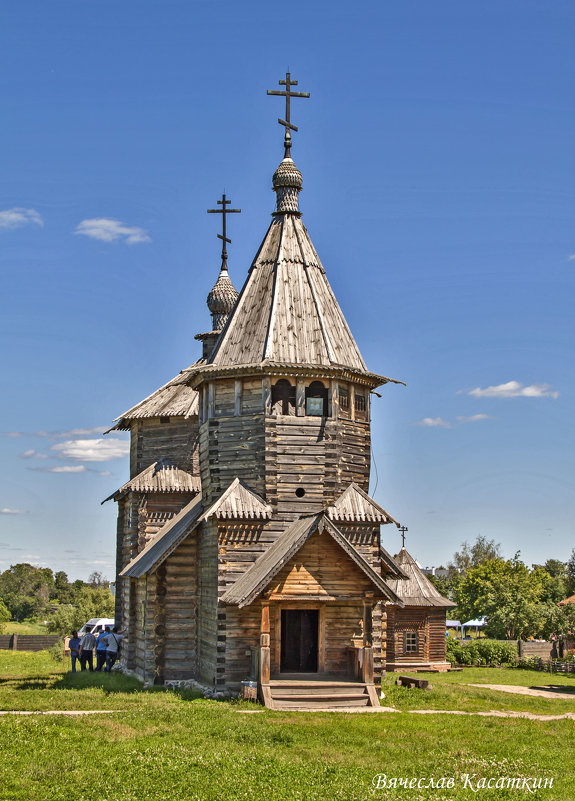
482, 652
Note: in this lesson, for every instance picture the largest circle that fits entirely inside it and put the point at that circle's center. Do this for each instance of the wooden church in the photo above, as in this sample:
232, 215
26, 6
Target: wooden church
248, 547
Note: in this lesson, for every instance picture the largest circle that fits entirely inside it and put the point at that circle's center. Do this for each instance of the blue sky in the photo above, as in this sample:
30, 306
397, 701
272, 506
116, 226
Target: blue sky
437, 157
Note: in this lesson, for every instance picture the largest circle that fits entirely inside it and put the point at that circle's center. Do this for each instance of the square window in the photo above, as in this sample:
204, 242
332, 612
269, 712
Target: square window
410, 642
314, 407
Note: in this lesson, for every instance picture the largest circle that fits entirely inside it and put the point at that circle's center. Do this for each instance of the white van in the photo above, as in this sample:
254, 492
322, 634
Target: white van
96, 625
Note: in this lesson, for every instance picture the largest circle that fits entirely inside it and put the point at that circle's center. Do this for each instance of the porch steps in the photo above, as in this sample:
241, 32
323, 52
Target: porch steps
317, 695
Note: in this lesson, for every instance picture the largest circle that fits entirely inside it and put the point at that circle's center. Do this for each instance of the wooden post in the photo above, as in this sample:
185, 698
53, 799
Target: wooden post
367, 640
14, 642
267, 394
351, 402
237, 397
300, 398
211, 399
265, 645
333, 409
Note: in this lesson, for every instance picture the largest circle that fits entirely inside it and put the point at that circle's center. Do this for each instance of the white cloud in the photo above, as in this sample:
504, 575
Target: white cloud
474, 418
7, 511
107, 230
64, 468
17, 217
92, 450
571, 257
72, 432
32, 454
514, 389
433, 422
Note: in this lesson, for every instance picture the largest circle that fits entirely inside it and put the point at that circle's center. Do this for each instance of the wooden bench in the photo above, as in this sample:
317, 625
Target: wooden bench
407, 681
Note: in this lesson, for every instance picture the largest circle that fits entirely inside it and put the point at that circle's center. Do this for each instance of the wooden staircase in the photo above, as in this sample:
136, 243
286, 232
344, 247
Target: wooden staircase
311, 692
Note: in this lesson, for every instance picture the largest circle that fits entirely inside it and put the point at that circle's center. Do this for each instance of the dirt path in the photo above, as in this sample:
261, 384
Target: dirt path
558, 691
494, 714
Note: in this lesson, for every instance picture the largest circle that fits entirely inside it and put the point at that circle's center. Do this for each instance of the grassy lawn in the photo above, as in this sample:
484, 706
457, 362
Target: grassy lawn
25, 627
165, 745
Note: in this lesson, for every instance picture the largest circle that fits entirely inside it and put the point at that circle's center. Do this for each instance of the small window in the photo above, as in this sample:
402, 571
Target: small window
410, 642
344, 399
164, 420
359, 403
283, 397
316, 399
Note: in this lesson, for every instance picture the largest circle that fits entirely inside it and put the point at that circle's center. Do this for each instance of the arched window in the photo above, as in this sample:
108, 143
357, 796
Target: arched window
283, 397
316, 399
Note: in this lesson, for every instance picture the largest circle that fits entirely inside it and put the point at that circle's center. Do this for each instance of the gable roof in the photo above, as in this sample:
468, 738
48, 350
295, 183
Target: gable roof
355, 506
239, 501
174, 399
417, 590
254, 581
166, 540
161, 476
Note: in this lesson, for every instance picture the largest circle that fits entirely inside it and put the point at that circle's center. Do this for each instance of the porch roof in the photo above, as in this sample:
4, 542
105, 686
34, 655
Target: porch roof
254, 581
166, 540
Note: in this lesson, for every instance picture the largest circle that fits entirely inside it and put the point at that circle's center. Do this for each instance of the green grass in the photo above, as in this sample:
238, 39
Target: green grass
162, 745
26, 627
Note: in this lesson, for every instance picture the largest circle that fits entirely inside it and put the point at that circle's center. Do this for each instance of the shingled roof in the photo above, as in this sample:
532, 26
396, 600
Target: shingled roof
254, 581
174, 399
355, 506
239, 501
161, 476
417, 590
166, 540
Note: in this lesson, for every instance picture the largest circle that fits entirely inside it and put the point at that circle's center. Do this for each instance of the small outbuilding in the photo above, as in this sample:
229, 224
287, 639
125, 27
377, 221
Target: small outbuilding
416, 632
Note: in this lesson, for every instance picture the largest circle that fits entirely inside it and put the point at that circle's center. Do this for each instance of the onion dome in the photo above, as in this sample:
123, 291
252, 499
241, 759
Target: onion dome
287, 183
222, 299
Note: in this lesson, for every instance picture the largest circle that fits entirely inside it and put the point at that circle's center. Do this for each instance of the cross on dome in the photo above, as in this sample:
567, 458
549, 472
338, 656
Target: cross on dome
223, 211
288, 94
403, 529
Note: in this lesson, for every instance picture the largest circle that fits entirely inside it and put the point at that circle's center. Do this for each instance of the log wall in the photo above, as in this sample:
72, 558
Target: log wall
152, 439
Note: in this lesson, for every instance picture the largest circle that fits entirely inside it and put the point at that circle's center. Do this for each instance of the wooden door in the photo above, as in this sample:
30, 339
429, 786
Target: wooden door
299, 640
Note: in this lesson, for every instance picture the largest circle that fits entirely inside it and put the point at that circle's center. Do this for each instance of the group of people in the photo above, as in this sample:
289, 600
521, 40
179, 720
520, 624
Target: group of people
106, 645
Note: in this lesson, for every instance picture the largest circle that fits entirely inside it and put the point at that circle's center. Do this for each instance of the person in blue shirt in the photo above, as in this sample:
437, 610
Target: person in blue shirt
74, 646
101, 648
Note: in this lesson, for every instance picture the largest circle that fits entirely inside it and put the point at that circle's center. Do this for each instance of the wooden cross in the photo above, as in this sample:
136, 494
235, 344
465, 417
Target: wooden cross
288, 94
223, 211
403, 529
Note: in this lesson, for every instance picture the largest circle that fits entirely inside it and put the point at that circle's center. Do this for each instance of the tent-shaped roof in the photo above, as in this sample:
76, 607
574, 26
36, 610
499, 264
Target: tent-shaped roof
254, 581
287, 312
161, 476
355, 506
417, 590
239, 501
174, 399
166, 540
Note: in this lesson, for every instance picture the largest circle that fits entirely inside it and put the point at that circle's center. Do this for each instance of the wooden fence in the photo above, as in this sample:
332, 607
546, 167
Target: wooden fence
549, 665
27, 642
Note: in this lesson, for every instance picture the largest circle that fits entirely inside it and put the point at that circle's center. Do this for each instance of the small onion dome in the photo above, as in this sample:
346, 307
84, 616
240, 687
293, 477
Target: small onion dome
287, 183
287, 175
222, 299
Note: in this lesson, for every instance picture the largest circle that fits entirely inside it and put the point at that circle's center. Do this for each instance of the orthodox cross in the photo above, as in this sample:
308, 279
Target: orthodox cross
224, 202
403, 529
288, 94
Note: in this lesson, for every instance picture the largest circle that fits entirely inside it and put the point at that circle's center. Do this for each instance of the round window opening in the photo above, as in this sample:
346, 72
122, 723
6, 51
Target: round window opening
300, 492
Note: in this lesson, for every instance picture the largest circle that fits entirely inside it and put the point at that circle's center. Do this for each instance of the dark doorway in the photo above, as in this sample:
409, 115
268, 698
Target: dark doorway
299, 640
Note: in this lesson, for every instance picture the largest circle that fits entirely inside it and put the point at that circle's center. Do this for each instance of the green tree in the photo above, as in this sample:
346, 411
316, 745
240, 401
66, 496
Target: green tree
63, 591
570, 584
482, 550
4, 616
507, 593
26, 590
87, 602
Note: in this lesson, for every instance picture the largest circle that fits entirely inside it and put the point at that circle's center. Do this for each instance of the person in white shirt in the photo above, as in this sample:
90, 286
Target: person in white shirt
87, 645
112, 644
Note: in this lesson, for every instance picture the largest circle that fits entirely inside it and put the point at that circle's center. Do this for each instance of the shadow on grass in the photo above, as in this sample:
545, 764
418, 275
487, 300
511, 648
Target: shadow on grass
108, 683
